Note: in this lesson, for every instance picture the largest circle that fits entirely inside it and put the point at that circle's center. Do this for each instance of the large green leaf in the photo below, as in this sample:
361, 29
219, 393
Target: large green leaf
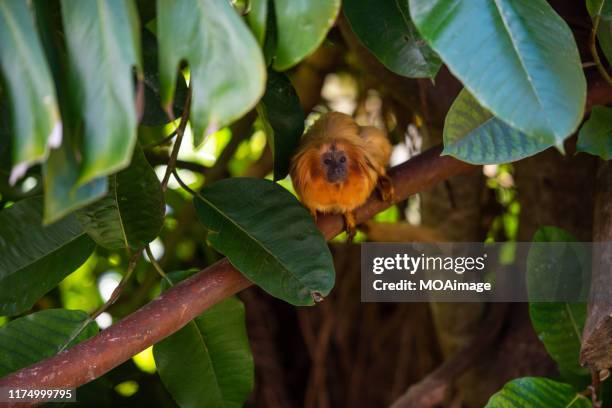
386, 29
36, 120
33, 258
258, 19
227, 71
61, 169
282, 112
558, 267
40, 335
474, 135
525, 70
595, 136
60, 174
534, 392
269, 237
208, 363
558, 324
132, 213
103, 39
301, 27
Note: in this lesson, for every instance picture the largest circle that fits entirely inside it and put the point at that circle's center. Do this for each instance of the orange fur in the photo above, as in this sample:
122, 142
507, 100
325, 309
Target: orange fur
367, 150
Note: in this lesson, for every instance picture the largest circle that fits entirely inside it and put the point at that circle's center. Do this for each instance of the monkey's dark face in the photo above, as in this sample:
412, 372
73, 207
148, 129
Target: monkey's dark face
335, 164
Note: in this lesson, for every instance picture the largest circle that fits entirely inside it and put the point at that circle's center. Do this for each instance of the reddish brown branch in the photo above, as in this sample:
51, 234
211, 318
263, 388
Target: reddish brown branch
180, 304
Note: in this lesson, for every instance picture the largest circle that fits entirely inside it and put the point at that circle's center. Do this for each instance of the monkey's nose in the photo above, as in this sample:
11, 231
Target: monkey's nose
335, 174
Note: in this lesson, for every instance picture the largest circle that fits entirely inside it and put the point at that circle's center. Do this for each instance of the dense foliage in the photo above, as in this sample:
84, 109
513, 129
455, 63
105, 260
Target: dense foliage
100, 99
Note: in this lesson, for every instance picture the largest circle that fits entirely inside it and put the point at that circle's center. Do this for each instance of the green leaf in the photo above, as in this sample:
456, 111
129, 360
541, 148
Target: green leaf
603, 9
61, 169
301, 27
208, 363
36, 121
386, 29
525, 70
60, 175
258, 19
33, 258
227, 71
474, 135
267, 234
558, 267
103, 40
40, 335
283, 116
559, 325
595, 136
604, 35
132, 213
154, 113
535, 392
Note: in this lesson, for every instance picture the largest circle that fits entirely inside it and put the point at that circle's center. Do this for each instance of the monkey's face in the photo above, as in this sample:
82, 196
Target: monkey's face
334, 161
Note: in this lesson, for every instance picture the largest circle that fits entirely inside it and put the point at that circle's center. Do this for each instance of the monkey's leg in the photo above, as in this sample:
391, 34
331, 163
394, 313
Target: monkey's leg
385, 187
350, 224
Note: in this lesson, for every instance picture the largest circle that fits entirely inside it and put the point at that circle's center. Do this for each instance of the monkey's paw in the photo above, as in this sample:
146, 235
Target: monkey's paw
351, 225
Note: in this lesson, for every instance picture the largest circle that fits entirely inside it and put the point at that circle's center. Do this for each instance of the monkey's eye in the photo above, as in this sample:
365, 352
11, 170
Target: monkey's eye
327, 161
342, 159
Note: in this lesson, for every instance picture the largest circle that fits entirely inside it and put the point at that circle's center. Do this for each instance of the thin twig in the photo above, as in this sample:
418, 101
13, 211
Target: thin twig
593, 46
162, 141
114, 296
156, 265
140, 98
180, 131
183, 185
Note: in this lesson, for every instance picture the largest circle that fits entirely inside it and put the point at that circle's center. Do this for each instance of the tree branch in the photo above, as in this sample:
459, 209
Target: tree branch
596, 350
177, 306
433, 389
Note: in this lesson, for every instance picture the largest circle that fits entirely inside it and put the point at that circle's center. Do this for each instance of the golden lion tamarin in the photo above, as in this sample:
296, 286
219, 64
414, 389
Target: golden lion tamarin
338, 164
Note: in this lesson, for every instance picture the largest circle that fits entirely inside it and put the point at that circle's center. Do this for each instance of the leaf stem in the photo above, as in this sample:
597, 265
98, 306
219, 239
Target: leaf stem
593, 48
156, 265
114, 296
183, 185
140, 102
160, 142
180, 131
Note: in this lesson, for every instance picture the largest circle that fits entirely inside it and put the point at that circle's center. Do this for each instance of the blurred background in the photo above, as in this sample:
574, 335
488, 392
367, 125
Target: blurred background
343, 352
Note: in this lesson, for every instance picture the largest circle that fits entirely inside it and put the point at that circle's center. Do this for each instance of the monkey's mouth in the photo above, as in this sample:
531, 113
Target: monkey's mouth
336, 177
